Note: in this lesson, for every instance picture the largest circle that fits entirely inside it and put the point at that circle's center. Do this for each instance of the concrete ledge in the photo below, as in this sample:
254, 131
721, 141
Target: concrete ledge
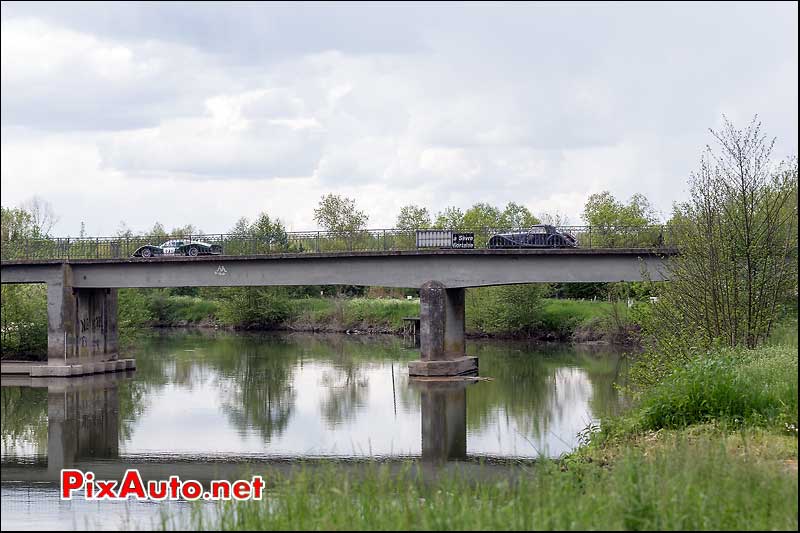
16, 367
450, 367
38, 370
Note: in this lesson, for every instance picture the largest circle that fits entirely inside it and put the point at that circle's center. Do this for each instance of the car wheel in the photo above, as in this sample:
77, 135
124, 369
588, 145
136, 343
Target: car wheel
192, 251
147, 252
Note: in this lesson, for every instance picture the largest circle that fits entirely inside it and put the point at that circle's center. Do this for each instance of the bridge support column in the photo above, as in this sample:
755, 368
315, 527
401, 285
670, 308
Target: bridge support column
82, 333
442, 349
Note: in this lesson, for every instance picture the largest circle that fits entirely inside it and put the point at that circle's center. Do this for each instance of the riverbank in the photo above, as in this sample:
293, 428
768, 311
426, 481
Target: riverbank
704, 450
544, 319
514, 312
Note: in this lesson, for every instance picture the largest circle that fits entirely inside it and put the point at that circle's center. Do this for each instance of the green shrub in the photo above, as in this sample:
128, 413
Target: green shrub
758, 387
23, 315
510, 309
254, 307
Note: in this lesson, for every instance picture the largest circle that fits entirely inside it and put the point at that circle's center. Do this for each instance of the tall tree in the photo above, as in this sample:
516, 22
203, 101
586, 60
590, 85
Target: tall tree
738, 244
413, 217
603, 210
339, 214
482, 215
15, 224
450, 218
158, 233
554, 219
268, 231
42, 216
185, 231
517, 216
614, 223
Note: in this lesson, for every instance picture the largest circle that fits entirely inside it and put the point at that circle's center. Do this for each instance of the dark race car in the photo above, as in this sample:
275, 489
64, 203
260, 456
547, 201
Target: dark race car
539, 236
179, 247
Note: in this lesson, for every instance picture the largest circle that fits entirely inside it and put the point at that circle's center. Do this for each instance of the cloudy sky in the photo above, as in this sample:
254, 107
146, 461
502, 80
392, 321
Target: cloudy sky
202, 113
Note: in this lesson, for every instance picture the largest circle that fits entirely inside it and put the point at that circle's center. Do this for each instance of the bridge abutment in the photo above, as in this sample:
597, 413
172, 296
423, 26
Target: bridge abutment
442, 346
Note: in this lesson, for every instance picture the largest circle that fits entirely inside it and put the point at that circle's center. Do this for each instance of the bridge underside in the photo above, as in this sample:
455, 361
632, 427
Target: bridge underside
82, 295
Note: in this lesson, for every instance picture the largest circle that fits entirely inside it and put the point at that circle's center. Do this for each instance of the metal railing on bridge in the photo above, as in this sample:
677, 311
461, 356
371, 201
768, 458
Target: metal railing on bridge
653, 237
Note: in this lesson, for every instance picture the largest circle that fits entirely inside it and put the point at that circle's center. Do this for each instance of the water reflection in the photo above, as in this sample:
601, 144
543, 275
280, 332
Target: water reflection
283, 396
210, 405
82, 421
81, 416
444, 419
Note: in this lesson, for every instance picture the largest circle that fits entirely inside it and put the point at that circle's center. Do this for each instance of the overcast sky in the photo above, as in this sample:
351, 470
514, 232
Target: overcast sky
203, 113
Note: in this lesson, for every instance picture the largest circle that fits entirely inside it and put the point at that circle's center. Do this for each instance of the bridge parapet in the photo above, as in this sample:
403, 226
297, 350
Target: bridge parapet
313, 242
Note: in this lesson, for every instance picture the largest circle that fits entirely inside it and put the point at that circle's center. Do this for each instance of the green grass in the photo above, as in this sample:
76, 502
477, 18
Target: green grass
757, 387
354, 313
190, 309
490, 310
784, 333
514, 310
682, 485
566, 315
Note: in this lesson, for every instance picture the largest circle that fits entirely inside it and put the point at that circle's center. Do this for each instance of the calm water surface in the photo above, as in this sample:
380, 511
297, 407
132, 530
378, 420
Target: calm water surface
208, 405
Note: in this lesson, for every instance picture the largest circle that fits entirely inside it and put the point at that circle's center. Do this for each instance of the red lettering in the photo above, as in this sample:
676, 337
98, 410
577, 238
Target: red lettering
221, 489
132, 484
71, 480
191, 490
174, 487
106, 490
258, 485
241, 490
157, 489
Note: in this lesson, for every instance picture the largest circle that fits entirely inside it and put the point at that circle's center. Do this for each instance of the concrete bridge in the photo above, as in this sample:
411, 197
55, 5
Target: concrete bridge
82, 294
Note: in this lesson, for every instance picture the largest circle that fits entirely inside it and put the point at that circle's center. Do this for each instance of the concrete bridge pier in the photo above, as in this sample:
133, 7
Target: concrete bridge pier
82, 334
442, 347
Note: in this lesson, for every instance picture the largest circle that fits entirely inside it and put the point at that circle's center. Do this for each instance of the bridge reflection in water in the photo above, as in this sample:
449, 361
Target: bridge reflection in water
82, 417
83, 431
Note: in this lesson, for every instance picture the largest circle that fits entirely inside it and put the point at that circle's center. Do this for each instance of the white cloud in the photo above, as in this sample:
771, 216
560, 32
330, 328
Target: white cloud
543, 104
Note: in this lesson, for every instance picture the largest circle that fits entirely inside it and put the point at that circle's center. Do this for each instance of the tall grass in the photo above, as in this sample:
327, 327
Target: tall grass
682, 486
354, 313
563, 317
757, 387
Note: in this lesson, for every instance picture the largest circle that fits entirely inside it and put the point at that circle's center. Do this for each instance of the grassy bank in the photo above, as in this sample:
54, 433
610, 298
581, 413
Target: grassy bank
360, 314
491, 311
519, 311
713, 447
690, 486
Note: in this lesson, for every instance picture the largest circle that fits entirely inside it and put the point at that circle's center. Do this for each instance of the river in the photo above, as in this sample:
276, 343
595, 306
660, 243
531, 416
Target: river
210, 404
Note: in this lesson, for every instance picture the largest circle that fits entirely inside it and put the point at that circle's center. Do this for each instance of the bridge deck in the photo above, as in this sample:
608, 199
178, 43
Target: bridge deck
665, 252
406, 268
